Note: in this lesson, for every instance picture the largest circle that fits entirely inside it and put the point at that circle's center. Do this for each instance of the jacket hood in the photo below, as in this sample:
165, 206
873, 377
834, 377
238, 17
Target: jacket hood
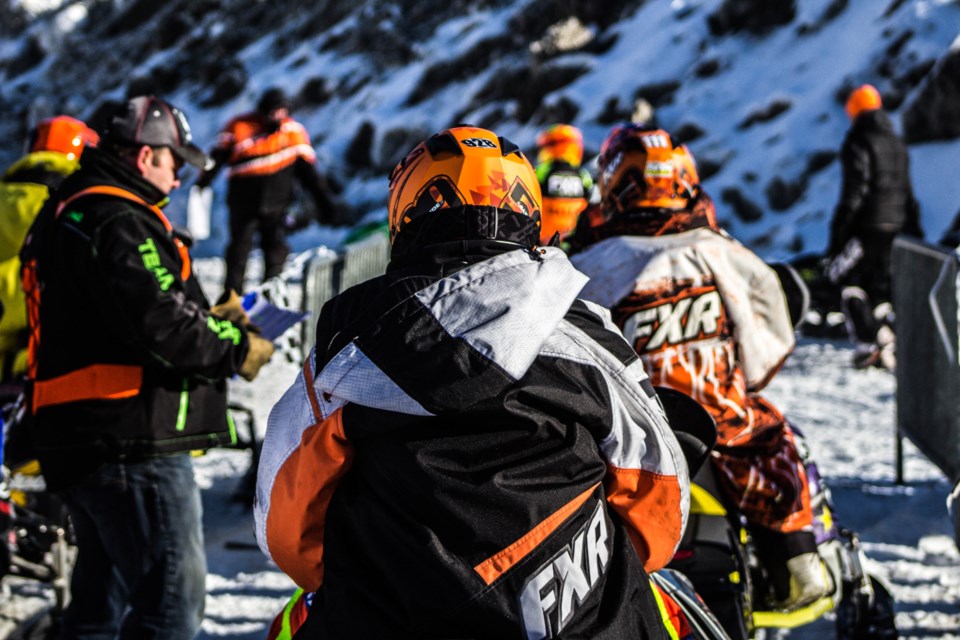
459, 340
41, 167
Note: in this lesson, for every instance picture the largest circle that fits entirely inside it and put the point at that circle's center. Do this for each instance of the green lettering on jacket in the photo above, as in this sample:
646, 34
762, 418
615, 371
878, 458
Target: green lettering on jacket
224, 330
151, 260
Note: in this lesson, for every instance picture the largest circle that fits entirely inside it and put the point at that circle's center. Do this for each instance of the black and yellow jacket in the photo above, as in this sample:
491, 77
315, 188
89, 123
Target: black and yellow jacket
23, 190
126, 360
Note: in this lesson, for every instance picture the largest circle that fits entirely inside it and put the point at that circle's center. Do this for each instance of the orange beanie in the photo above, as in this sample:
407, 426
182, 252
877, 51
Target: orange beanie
864, 98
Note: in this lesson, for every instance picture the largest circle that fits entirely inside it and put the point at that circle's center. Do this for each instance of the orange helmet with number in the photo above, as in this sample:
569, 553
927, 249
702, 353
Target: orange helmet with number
863, 98
63, 134
641, 168
560, 142
462, 166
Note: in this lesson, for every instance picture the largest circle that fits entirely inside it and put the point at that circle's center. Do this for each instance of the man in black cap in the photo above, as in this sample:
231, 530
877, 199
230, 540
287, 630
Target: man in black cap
128, 374
267, 152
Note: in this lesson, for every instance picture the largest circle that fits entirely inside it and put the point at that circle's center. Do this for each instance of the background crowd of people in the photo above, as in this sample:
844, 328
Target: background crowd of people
481, 325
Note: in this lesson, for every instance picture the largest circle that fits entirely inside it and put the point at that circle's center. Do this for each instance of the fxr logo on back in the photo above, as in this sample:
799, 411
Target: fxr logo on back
554, 592
675, 321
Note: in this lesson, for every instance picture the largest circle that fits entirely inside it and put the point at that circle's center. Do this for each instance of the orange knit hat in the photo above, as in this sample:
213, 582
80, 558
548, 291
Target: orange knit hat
863, 98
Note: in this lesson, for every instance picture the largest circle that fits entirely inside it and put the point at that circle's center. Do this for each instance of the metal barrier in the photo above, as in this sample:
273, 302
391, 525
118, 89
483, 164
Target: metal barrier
324, 276
925, 293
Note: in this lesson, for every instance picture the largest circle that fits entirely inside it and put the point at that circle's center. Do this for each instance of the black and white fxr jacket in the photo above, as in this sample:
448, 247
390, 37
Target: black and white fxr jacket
470, 451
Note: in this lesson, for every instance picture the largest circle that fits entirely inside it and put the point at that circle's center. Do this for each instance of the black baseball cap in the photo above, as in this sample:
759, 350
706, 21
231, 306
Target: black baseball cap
151, 121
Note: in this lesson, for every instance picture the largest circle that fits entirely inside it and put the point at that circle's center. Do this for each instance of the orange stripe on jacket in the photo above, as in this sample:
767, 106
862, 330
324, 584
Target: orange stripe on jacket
255, 152
649, 505
497, 565
301, 494
95, 382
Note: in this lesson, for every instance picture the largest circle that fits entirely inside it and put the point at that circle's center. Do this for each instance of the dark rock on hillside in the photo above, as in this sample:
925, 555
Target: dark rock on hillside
561, 109
476, 60
360, 151
657, 94
834, 9
782, 194
525, 85
902, 84
133, 16
819, 160
708, 166
687, 132
894, 5
31, 54
13, 18
744, 208
314, 93
771, 111
707, 68
395, 144
756, 16
935, 113
613, 112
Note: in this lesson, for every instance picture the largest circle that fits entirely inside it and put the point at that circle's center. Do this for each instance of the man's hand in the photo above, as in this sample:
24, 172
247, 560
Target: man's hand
257, 356
230, 308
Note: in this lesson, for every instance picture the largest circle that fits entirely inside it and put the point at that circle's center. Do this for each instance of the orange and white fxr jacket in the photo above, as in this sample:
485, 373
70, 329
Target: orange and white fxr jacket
708, 317
470, 450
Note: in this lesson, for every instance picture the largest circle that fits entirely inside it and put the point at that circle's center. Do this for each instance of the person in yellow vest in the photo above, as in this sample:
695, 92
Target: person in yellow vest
56, 145
565, 185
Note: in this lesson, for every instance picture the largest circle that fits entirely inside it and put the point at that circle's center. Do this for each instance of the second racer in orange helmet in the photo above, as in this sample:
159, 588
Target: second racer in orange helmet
643, 169
462, 166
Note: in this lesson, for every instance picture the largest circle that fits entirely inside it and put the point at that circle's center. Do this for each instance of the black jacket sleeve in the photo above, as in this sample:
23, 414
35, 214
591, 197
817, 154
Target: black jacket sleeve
855, 164
317, 186
167, 316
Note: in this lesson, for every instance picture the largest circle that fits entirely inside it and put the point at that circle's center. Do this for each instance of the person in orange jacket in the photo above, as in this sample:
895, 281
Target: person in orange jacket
267, 152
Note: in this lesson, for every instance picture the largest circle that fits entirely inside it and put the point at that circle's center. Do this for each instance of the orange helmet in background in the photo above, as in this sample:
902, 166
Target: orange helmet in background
863, 98
462, 166
63, 134
560, 142
641, 168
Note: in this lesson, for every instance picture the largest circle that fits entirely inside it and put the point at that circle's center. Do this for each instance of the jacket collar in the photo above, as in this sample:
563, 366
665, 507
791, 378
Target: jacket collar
102, 167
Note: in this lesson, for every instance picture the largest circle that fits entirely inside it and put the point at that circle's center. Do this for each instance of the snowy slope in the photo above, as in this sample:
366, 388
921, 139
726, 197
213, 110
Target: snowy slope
765, 106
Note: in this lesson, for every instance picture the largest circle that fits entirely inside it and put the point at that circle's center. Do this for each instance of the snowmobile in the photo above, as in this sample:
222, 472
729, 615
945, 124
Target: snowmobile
718, 555
37, 539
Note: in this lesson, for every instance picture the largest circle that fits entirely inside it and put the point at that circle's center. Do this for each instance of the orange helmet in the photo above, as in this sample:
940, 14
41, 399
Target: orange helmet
63, 134
863, 98
560, 142
462, 166
642, 169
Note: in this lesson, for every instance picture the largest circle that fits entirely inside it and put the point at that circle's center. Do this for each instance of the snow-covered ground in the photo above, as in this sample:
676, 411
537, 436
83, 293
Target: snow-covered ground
847, 416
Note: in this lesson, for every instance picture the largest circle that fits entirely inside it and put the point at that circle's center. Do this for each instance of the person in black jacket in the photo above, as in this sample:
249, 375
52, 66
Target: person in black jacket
876, 203
128, 367
267, 152
470, 451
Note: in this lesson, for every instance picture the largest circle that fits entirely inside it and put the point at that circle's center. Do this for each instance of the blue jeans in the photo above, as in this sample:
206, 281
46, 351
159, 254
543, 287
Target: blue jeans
141, 567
